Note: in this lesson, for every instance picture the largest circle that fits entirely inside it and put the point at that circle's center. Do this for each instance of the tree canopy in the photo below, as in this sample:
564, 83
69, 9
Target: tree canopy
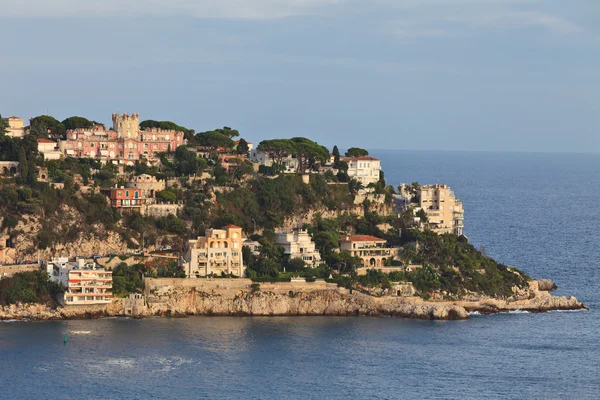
77, 122
55, 127
214, 140
166, 125
3, 125
356, 152
242, 147
277, 149
309, 153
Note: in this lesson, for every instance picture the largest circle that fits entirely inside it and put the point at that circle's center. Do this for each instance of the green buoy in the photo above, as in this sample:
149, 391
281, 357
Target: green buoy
65, 339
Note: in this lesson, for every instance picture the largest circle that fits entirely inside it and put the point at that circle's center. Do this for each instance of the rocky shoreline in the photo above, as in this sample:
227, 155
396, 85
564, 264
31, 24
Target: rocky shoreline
330, 302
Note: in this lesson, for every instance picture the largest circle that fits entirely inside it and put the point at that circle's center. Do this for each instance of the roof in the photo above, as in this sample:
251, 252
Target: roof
364, 158
13, 117
238, 142
232, 227
362, 238
43, 140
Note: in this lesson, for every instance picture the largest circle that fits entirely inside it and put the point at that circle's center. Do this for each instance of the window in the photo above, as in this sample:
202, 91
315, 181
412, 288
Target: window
127, 193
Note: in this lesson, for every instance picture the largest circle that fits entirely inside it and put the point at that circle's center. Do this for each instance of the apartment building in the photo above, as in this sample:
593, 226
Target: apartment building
444, 211
85, 283
218, 252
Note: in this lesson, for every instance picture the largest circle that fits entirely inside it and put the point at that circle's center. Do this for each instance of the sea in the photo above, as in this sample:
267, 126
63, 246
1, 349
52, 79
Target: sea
538, 212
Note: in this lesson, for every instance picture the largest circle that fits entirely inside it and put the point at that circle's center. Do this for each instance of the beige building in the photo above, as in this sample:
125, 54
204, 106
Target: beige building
218, 252
299, 244
148, 183
364, 169
444, 211
372, 251
16, 127
84, 283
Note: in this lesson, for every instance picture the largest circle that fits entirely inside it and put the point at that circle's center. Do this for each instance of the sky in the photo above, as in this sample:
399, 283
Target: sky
484, 75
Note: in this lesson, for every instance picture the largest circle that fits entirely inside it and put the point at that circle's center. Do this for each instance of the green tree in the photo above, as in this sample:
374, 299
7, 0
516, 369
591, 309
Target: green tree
186, 161
242, 147
278, 150
336, 157
356, 152
77, 122
214, 140
309, 153
227, 131
167, 195
23, 165
3, 125
165, 125
57, 129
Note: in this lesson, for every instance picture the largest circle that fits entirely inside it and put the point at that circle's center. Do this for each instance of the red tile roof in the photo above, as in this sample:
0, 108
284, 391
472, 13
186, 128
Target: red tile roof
43, 140
362, 238
232, 227
13, 117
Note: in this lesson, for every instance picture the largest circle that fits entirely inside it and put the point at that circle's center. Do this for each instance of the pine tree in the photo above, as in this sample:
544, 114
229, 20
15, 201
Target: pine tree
336, 156
23, 165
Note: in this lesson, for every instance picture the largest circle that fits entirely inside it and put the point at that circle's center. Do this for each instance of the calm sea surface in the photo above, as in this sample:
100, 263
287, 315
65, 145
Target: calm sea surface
540, 212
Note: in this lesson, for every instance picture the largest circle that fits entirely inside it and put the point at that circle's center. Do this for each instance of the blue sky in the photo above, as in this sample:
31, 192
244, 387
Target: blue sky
381, 74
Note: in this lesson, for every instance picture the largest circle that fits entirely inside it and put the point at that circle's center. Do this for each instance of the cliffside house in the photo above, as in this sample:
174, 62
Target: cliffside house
364, 169
372, 251
444, 211
218, 252
125, 199
299, 244
84, 283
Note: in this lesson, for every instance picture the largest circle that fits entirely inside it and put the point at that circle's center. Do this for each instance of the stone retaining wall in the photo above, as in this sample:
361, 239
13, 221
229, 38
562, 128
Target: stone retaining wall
9, 270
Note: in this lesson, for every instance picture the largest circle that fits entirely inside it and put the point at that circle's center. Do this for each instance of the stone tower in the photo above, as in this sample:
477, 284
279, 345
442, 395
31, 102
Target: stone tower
127, 126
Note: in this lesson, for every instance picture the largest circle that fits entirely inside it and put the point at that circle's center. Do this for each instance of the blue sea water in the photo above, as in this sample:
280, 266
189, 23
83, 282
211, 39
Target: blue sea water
540, 212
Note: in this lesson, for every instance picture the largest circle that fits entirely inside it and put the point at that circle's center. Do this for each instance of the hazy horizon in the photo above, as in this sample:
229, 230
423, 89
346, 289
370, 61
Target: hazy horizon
466, 75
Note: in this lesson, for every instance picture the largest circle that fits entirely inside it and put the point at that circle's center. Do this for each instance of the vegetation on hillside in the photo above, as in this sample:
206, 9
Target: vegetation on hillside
29, 287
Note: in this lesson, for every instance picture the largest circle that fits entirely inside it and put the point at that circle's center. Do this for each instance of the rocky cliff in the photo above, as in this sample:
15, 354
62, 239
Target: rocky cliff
190, 300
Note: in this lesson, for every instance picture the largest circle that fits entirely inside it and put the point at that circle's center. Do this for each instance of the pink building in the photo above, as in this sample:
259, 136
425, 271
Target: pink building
125, 142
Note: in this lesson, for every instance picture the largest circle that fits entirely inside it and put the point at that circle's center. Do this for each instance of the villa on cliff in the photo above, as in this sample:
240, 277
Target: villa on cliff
298, 244
124, 143
85, 283
372, 251
365, 169
218, 252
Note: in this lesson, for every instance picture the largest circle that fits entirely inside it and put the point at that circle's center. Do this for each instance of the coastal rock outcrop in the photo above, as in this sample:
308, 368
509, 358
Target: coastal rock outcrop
199, 299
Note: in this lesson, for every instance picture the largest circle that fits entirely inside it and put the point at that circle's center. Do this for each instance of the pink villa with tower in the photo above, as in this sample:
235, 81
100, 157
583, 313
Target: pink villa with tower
125, 142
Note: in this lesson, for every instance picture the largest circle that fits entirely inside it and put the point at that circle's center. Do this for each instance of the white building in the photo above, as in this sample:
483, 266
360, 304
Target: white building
84, 283
49, 149
218, 252
253, 245
299, 244
290, 164
364, 169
